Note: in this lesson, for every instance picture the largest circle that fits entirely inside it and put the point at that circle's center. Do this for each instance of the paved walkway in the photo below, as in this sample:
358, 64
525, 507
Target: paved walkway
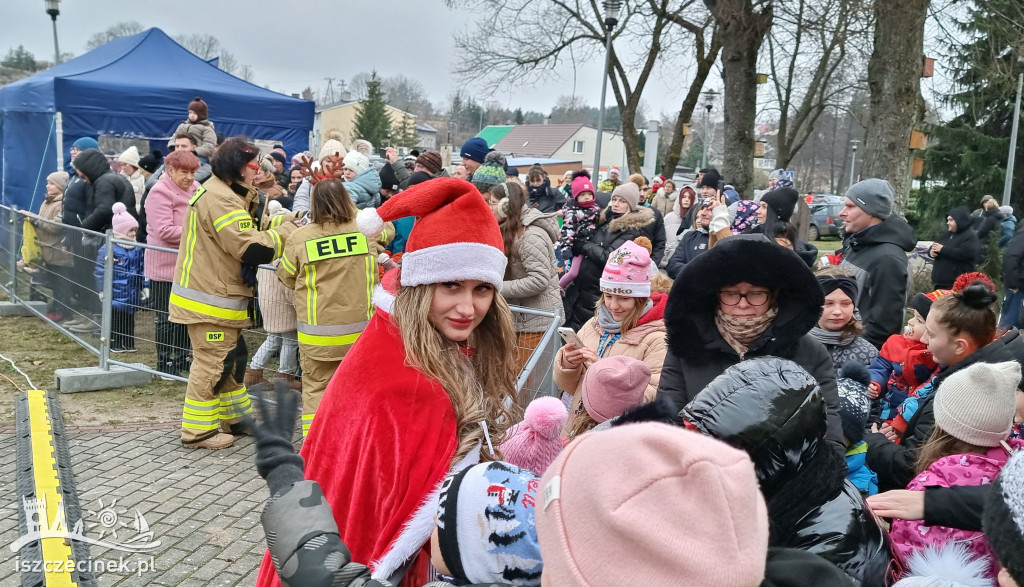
203, 506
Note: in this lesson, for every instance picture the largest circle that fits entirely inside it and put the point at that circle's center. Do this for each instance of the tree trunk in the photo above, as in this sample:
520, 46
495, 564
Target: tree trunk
894, 74
743, 31
704, 64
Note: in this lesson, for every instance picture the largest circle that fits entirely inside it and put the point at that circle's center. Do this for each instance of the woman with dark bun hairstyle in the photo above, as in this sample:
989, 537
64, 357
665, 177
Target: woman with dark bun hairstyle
960, 331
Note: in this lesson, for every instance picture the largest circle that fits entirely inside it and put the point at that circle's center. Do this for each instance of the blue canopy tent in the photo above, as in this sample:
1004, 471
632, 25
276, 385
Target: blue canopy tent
137, 86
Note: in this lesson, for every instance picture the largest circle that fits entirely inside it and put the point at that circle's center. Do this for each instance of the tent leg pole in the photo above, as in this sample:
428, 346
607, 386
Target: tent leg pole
59, 131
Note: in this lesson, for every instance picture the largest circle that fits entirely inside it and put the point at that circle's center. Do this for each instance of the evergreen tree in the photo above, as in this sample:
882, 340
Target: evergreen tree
19, 58
405, 133
966, 157
372, 121
519, 118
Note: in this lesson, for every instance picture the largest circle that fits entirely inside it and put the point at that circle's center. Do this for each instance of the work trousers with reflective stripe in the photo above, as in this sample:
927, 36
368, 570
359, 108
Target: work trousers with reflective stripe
316, 375
209, 406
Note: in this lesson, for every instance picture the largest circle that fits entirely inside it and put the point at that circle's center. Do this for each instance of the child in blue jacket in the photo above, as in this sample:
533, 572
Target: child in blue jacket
854, 408
127, 280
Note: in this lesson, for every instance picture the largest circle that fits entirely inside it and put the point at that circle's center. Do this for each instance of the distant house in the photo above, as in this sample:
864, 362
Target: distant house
341, 117
564, 142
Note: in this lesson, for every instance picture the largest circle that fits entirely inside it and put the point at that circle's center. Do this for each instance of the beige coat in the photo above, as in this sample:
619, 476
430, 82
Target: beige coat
645, 342
532, 280
664, 203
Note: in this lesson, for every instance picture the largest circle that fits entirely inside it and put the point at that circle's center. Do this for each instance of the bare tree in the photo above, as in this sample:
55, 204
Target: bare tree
207, 47
894, 79
706, 54
121, 29
807, 53
743, 24
569, 31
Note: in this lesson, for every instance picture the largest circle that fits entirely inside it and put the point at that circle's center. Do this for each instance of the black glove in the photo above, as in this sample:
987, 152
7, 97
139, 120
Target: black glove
577, 245
276, 460
249, 274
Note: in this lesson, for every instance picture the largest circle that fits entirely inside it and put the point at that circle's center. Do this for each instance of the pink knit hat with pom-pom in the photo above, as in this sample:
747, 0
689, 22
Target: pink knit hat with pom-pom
122, 222
535, 442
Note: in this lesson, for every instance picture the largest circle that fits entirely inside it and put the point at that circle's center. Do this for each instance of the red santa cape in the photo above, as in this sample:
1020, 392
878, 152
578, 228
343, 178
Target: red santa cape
381, 444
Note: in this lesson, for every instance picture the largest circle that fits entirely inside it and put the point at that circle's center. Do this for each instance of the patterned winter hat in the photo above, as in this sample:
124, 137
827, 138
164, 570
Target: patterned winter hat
455, 237
431, 160
628, 272
487, 176
854, 405
1003, 520
486, 525
533, 443
331, 147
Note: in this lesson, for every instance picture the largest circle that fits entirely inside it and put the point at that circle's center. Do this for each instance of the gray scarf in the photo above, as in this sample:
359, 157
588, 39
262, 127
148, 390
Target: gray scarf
829, 337
609, 324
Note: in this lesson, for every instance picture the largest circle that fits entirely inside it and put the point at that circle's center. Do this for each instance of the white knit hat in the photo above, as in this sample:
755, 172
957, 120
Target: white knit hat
356, 161
130, 156
976, 404
331, 147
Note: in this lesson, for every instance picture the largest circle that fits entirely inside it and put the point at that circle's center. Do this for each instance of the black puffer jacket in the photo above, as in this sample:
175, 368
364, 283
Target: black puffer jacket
582, 294
697, 353
107, 188
960, 250
774, 410
77, 201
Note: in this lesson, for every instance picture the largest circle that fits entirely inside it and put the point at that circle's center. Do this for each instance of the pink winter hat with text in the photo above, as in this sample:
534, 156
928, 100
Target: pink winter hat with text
533, 443
652, 504
627, 272
612, 385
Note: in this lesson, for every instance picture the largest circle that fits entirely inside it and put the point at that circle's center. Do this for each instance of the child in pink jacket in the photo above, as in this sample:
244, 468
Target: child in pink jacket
970, 444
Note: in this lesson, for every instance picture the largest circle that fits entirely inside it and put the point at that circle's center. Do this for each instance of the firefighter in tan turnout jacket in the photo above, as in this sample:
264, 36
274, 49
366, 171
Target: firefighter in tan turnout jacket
333, 269
220, 240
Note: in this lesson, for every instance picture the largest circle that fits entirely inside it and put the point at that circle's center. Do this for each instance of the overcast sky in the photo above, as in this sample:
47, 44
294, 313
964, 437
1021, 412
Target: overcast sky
294, 43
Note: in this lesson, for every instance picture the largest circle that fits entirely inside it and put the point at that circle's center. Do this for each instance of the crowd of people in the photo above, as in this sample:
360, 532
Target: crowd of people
735, 408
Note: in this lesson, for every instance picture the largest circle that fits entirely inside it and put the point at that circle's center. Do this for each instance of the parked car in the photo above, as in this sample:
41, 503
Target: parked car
825, 220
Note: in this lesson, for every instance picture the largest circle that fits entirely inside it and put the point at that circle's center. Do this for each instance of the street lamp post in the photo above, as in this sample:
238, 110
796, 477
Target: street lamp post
611, 18
853, 163
709, 103
53, 9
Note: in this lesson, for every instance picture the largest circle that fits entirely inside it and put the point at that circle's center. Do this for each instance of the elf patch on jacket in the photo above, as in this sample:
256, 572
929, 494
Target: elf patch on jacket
219, 235
971, 469
900, 367
960, 250
531, 281
333, 269
878, 257
127, 279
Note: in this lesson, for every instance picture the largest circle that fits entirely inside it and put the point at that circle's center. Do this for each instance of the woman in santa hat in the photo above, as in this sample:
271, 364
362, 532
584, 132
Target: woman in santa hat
426, 390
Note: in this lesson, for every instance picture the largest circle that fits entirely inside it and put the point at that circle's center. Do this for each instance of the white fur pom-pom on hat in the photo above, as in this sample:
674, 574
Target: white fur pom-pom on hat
369, 222
122, 222
535, 442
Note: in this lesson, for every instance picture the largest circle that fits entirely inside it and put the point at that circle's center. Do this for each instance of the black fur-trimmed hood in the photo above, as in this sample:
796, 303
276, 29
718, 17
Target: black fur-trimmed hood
636, 220
751, 258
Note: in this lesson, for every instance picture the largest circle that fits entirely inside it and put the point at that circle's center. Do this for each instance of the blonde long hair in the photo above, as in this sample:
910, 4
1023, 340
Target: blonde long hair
481, 387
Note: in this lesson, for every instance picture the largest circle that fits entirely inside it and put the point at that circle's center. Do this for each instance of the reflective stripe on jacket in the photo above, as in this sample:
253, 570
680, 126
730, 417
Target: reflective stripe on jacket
333, 270
218, 231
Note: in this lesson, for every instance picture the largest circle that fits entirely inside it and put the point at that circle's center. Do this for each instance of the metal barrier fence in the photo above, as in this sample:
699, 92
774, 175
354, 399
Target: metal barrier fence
105, 303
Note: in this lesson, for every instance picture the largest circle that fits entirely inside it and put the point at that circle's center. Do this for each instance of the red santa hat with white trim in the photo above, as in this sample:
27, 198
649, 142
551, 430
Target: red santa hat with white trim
455, 237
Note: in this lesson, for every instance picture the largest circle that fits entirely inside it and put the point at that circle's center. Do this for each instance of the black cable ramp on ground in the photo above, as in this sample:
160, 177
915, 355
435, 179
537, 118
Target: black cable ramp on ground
48, 502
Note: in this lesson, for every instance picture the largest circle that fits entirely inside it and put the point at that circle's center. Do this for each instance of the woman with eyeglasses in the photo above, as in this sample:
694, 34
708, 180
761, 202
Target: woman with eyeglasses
746, 297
